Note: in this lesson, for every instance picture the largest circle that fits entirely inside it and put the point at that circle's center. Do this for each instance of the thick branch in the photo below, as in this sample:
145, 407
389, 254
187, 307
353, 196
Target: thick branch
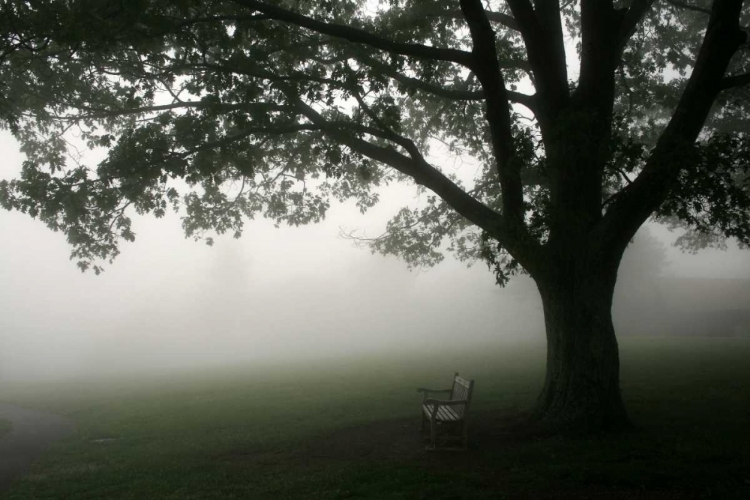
498, 109
546, 53
356, 35
630, 20
504, 19
549, 15
640, 199
416, 167
529, 101
599, 53
735, 81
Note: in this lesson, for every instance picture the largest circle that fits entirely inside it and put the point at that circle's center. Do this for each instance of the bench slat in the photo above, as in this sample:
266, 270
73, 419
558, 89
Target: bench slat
447, 414
444, 413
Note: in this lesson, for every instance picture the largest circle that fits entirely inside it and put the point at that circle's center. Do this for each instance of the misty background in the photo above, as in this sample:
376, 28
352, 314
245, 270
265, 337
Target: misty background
289, 294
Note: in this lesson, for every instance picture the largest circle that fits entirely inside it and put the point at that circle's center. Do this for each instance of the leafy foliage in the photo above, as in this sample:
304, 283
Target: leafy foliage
231, 110
712, 200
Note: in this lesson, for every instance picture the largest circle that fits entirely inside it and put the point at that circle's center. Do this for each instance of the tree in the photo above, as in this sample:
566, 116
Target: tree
242, 108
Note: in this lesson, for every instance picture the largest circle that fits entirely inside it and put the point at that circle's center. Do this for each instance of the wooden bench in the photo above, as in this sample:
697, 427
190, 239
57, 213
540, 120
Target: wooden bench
447, 413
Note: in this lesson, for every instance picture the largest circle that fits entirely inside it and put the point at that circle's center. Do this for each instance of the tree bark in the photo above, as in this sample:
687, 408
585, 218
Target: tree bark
581, 391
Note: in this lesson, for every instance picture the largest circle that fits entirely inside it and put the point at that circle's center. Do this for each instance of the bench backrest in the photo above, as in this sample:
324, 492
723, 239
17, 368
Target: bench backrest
462, 389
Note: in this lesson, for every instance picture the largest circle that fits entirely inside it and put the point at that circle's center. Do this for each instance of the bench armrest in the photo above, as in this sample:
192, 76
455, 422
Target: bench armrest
428, 392
445, 402
437, 391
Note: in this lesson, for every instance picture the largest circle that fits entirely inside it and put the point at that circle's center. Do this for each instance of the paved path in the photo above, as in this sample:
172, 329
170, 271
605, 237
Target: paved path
32, 432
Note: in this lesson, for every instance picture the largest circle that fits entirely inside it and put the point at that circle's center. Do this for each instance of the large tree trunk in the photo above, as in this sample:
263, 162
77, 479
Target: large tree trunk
582, 388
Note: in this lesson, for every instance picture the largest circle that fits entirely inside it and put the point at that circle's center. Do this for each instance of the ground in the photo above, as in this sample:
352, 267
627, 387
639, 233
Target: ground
349, 429
24, 436
398, 442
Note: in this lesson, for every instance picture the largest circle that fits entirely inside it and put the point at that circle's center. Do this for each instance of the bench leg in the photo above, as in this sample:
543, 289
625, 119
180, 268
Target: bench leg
433, 433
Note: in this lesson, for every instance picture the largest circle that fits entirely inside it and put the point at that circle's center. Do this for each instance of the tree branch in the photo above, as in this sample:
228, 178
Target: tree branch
416, 167
495, 17
504, 19
729, 82
546, 54
687, 6
498, 110
600, 24
549, 14
447, 93
636, 202
630, 20
384, 131
529, 101
356, 35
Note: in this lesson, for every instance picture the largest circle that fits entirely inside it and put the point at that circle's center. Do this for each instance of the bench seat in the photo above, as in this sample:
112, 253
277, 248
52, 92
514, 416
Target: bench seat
443, 414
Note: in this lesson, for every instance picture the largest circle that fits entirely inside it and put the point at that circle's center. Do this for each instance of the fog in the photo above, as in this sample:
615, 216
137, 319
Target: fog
290, 294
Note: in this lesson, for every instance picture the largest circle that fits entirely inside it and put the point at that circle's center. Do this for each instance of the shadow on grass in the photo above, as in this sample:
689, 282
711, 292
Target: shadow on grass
507, 458
399, 440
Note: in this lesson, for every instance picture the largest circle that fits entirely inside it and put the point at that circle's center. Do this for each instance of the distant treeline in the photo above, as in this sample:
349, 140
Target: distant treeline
683, 306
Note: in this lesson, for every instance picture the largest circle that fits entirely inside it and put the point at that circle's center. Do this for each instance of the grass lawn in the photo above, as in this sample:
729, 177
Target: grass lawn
348, 429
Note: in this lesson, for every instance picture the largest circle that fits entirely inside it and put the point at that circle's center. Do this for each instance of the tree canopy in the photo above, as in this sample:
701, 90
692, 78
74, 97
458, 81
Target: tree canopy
275, 108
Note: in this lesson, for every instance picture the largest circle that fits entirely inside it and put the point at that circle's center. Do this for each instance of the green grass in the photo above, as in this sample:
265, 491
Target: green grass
248, 432
4, 427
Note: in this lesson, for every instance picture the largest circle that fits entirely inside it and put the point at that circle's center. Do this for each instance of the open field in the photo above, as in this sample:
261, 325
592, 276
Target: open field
348, 429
